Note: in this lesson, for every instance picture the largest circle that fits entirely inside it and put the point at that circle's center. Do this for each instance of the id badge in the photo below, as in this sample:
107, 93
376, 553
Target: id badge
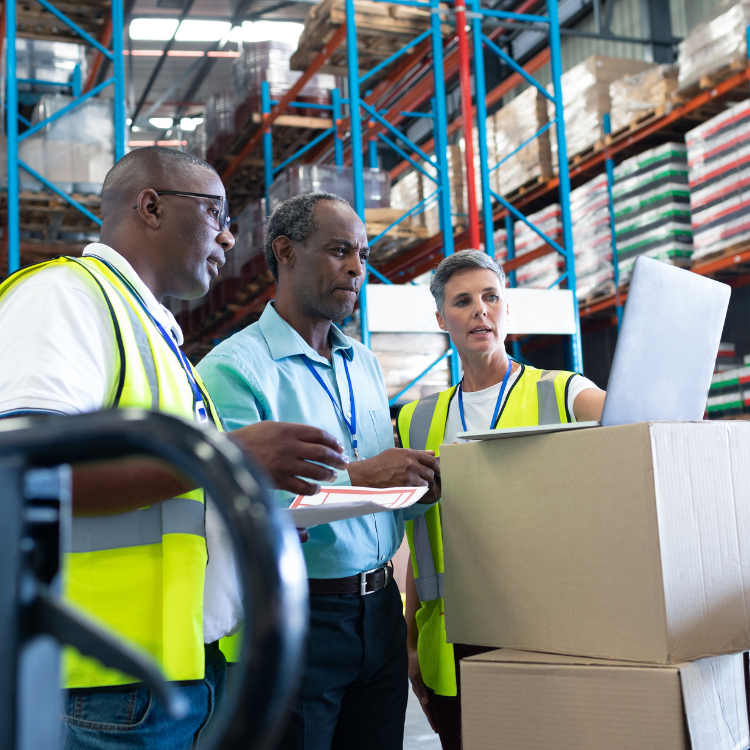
201, 414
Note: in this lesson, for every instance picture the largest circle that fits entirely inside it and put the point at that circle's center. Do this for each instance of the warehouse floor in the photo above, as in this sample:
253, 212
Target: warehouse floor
417, 733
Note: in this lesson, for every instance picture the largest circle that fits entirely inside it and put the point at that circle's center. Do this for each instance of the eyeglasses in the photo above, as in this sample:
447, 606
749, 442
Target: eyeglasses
222, 217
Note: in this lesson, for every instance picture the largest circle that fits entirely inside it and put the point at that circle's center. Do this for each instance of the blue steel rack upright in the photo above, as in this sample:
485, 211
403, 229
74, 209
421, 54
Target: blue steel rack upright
566, 249
115, 56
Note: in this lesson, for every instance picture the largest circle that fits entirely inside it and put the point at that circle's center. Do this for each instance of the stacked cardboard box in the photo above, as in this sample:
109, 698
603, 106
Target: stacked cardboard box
309, 178
407, 193
585, 90
515, 123
196, 141
637, 95
457, 191
544, 271
652, 213
592, 238
219, 122
247, 261
719, 175
717, 43
269, 62
614, 559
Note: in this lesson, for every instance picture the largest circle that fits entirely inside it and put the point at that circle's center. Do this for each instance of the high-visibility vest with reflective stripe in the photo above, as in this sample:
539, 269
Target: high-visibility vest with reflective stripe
536, 397
140, 574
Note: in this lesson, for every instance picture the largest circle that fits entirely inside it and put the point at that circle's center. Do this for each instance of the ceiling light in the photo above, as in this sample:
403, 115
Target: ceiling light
190, 123
266, 31
161, 122
152, 29
202, 31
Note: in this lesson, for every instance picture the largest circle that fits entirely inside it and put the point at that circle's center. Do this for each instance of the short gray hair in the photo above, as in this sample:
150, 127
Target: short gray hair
294, 218
463, 260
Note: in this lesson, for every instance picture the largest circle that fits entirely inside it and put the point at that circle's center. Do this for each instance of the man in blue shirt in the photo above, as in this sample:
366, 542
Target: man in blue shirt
294, 365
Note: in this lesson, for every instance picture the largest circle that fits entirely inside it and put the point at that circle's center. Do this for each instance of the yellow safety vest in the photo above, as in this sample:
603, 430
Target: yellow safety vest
536, 397
140, 574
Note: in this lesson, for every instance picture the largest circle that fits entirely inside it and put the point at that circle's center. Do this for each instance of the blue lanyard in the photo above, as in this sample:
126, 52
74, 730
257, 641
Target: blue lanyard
497, 405
351, 426
200, 407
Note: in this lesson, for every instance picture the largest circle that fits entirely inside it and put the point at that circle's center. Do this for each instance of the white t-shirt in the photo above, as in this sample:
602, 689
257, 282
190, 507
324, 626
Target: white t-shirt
480, 405
57, 344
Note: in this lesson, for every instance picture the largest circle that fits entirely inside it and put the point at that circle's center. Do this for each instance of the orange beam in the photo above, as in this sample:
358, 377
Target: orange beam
289, 97
712, 266
105, 37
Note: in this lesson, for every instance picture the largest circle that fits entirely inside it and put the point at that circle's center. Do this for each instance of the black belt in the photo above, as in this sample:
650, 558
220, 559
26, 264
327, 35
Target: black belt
360, 583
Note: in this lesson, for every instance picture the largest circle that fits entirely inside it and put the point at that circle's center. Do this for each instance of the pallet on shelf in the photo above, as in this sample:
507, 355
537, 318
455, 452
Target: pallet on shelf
382, 29
33, 21
640, 120
527, 186
710, 81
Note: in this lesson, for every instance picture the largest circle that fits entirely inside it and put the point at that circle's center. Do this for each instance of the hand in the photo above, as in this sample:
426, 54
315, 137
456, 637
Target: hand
286, 450
399, 467
417, 685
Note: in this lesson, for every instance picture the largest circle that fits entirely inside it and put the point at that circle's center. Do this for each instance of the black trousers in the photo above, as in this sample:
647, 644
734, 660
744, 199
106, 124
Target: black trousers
355, 685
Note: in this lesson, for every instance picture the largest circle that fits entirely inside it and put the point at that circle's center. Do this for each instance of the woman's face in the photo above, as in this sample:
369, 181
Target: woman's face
475, 312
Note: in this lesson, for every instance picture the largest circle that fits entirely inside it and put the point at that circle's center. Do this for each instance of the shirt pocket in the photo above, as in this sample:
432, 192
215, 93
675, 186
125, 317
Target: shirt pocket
381, 422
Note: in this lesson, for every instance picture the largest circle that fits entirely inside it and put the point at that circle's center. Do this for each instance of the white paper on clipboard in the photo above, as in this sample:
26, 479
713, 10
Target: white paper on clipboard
338, 503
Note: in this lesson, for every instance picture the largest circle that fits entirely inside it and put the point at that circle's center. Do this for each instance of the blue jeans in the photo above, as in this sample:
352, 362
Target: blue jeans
122, 720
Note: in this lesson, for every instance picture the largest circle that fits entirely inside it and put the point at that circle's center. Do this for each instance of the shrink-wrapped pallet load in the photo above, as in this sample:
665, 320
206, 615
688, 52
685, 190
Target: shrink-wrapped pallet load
717, 44
652, 212
585, 90
219, 120
719, 175
515, 123
268, 62
406, 194
592, 238
544, 271
638, 95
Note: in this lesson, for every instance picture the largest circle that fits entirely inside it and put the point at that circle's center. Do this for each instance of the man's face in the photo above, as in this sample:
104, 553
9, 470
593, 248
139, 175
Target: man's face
194, 245
329, 268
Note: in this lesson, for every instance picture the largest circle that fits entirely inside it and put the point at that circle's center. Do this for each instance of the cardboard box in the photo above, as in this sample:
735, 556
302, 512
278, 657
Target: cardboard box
629, 542
527, 701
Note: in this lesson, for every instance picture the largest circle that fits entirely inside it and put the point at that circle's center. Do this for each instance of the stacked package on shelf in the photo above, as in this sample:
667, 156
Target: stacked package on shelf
544, 271
652, 210
717, 43
516, 123
269, 61
639, 94
491, 160
219, 122
500, 241
585, 91
592, 238
407, 193
74, 152
196, 141
42, 60
247, 259
729, 395
719, 174
457, 190
310, 178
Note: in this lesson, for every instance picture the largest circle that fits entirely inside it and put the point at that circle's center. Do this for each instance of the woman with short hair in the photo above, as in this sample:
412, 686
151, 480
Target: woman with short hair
495, 392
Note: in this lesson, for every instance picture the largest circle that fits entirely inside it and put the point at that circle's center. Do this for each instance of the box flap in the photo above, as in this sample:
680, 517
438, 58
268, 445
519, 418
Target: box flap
514, 656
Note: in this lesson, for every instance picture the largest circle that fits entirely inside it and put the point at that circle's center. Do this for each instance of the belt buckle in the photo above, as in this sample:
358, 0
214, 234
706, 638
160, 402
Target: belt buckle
363, 580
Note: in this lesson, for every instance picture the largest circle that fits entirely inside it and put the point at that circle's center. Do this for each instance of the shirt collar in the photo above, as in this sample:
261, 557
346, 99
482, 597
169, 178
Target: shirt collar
161, 313
284, 341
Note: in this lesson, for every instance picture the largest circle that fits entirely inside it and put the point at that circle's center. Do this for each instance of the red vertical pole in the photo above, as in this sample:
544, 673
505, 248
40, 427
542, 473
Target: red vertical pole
464, 72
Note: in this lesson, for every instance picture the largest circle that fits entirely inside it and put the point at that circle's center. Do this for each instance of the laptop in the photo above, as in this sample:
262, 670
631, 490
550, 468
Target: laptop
665, 354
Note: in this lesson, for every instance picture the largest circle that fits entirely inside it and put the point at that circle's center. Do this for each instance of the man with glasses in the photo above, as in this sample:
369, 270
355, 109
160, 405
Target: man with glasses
83, 334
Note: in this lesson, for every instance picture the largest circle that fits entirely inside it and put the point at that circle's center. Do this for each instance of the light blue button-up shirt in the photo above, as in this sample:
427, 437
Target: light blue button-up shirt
259, 373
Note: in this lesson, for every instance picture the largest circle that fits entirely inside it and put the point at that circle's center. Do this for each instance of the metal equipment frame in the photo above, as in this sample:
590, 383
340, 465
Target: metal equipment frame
115, 56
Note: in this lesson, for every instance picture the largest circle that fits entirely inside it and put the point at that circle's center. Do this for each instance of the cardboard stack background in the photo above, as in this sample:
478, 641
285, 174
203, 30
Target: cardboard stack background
539, 273
652, 211
719, 176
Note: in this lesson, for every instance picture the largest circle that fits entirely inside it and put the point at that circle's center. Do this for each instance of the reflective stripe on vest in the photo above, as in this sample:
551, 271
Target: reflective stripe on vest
547, 398
429, 584
180, 515
421, 420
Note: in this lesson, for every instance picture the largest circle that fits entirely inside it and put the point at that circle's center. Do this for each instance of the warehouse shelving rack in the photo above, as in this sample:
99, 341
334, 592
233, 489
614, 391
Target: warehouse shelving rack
381, 125
113, 28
